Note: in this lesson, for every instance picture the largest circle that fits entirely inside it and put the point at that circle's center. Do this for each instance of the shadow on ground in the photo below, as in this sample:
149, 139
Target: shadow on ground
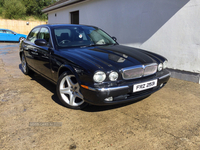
52, 88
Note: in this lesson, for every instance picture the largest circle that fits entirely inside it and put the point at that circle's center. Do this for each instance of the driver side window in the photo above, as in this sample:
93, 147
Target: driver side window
44, 34
33, 35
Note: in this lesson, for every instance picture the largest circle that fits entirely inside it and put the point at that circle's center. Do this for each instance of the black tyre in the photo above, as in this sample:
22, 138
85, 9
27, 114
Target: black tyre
68, 91
25, 67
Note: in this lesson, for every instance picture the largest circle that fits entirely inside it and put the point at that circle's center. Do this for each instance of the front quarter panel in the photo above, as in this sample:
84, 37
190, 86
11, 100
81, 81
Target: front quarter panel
61, 63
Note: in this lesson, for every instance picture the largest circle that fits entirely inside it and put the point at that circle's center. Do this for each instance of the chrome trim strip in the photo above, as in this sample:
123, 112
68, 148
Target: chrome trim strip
133, 67
153, 64
112, 88
108, 89
92, 89
169, 74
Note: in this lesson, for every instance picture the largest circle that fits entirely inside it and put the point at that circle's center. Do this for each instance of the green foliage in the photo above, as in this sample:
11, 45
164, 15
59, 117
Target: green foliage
14, 9
31, 7
1, 7
1, 10
1, 3
34, 7
22, 9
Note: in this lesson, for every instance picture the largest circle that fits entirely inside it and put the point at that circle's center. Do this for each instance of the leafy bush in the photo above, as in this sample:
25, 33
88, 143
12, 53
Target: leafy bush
14, 9
1, 3
24, 9
1, 10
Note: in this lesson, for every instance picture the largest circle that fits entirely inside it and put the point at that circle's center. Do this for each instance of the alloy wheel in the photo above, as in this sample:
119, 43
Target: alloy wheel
23, 64
21, 39
70, 91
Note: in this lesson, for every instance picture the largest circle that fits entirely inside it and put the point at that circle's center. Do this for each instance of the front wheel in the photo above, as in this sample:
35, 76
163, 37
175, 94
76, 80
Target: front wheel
68, 91
25, 67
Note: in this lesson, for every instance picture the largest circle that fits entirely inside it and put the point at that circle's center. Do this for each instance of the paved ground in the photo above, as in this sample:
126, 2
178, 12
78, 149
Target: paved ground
168, 119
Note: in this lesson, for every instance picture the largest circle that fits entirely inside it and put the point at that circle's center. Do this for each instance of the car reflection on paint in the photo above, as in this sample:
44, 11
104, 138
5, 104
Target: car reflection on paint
89, 67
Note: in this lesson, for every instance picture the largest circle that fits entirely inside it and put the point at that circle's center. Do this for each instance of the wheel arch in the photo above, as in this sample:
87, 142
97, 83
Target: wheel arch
69, 69
20, 50
20, 54
21, 37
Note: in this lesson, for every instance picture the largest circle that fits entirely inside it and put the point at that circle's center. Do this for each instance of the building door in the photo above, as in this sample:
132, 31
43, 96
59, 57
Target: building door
75, 17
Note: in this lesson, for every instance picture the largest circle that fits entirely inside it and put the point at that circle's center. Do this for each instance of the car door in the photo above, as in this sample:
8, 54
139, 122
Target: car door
43, 53
3, 35
29, 48
11, 36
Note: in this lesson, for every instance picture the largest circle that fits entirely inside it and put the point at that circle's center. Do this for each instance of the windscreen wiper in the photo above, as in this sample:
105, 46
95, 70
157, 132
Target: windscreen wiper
91, 45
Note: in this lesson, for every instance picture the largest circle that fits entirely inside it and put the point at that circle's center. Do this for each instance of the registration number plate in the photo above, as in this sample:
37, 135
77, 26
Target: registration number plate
144, 85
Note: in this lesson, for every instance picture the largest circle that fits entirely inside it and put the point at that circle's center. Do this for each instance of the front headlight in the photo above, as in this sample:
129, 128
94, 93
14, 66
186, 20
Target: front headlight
113, 76
99, 76
160, 67
165, 64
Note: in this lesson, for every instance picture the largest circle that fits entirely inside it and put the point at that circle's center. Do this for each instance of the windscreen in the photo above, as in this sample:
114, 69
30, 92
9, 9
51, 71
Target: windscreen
70, 36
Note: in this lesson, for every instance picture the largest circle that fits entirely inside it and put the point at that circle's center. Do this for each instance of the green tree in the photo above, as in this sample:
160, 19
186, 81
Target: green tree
1, 6
31, 7
34, 7
14, 9
20, 9
1, 3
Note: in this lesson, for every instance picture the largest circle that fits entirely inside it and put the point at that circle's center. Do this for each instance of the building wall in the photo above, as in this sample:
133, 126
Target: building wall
168, 27
19, 26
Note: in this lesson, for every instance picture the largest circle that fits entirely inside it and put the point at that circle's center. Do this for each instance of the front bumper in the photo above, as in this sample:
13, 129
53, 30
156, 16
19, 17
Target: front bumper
124, 92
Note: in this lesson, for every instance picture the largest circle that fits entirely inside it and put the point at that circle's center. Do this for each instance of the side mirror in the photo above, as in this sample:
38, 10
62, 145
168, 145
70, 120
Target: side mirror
114, 38
41, 42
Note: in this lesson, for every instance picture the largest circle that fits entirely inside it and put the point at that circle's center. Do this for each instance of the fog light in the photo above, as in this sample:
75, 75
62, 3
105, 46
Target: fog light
109, 99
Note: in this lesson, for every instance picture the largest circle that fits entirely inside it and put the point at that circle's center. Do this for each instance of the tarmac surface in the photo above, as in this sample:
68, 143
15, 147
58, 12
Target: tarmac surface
31, 116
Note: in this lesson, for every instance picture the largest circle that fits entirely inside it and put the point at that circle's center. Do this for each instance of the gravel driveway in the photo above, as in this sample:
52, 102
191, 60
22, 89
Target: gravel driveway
31, 117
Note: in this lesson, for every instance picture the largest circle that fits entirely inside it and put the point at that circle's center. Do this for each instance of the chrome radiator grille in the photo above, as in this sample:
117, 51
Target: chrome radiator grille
139, 71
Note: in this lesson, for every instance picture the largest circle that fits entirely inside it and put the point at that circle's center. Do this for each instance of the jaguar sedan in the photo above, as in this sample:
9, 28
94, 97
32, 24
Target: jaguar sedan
9, 35
89, 67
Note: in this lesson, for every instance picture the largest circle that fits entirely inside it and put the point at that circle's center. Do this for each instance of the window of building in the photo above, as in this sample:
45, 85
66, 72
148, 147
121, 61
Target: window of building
75, 17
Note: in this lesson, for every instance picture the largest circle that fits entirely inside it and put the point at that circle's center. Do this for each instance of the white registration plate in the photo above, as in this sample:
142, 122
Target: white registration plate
144, 85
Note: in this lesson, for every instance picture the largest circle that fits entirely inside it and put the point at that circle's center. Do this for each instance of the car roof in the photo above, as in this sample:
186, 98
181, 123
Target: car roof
5, 29
62, 25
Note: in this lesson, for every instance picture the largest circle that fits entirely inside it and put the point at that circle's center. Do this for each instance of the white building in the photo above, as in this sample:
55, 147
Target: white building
168, 27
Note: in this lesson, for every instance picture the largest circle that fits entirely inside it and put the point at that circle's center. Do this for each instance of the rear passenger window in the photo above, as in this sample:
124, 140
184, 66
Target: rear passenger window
33, 35
9, 32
